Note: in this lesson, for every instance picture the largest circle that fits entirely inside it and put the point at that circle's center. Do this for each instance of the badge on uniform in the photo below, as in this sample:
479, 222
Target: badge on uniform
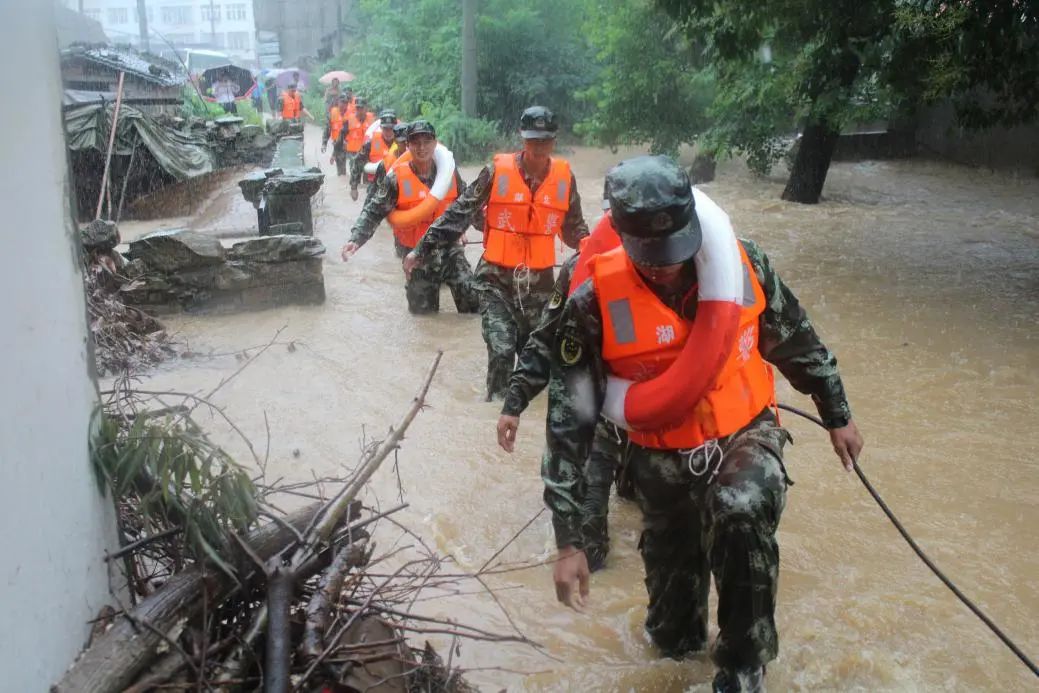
570, 350
555, 301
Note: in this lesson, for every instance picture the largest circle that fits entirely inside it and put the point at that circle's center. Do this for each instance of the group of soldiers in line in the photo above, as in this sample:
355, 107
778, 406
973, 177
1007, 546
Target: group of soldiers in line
708, 477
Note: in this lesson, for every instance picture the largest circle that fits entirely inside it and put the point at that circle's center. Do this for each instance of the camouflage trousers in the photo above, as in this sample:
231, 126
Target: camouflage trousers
723, 524
600, 471
341, 157
511, 301
443, 266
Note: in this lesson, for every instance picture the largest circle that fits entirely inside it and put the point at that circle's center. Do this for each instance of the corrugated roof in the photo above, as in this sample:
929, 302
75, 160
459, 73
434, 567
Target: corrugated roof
146, 67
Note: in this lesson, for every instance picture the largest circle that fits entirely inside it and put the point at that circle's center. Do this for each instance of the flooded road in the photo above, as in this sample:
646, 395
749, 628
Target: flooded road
923, 278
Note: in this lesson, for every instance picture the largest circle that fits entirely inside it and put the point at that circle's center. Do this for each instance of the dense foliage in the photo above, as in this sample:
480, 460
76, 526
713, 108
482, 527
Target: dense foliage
738, 78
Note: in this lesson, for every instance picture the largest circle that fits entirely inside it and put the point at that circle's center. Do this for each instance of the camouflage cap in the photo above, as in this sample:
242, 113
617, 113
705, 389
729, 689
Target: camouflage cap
538, 123
421, 127
651, 202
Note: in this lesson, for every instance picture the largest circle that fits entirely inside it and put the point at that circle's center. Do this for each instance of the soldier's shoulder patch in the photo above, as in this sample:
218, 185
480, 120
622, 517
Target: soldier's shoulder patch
555, 301
570, 350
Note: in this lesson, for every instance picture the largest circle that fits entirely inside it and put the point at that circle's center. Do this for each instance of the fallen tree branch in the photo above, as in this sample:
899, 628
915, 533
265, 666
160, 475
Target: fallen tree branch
121, 654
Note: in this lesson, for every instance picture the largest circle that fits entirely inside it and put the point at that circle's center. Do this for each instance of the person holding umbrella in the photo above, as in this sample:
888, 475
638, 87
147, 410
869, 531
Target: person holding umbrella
225, 91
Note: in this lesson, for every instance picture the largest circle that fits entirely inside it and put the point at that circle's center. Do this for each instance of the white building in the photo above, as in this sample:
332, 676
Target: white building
226, 25
55, 525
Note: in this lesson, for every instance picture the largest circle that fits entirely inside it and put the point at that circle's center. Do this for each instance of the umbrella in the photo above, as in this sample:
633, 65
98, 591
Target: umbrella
341, 75
239, 76
283, 78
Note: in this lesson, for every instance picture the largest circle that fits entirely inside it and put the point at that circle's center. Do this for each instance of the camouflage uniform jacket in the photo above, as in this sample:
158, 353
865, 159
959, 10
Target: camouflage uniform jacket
533, 367
787, 340
469, 209
358, 162
383, 200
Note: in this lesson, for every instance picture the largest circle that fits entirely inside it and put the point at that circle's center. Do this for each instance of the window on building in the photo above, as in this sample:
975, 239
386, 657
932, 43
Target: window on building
118, 15
180, 39
148, 13
237, 11
176, 14
94, 14
211, 13
238, 40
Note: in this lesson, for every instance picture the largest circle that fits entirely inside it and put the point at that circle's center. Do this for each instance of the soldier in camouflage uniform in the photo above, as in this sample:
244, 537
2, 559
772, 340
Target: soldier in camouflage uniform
702, 515
384, 139
531, 375
512, 294
446, 263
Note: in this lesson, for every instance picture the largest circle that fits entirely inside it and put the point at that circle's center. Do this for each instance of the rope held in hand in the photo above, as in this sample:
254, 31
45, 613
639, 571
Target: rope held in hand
923, 556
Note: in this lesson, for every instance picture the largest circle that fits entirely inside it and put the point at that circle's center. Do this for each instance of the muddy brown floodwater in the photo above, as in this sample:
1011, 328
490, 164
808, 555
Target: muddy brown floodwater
924, 278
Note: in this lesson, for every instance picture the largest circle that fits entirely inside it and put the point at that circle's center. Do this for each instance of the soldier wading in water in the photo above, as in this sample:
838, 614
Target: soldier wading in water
708, 474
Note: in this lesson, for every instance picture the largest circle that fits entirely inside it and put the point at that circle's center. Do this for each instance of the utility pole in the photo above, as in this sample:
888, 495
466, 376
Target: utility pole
469, 58
339, 28
212, 25
142, 24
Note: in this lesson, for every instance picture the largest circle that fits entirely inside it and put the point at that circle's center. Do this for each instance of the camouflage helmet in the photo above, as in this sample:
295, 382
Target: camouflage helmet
421, 127
651, 202
538, 123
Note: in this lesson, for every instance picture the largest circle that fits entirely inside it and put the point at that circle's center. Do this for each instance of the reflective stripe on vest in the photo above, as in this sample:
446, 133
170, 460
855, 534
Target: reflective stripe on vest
291, 107
410, 192
521, 225
642, 337
379, 151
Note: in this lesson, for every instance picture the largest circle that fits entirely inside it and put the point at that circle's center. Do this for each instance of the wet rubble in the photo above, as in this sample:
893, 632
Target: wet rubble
180, 270
282, 199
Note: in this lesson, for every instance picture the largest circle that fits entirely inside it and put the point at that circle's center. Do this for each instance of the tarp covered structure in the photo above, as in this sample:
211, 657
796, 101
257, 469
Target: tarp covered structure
181, 154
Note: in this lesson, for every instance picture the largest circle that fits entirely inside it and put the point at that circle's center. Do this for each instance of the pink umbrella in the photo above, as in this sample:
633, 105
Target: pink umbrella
341, 75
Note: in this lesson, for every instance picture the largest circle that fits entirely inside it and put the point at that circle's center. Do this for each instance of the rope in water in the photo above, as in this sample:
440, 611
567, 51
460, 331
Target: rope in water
923, 556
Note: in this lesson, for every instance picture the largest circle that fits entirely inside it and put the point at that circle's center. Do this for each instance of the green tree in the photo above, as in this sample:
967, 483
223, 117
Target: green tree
820, 64
650, 87
408, 57
983, 56
785, 62
532, 53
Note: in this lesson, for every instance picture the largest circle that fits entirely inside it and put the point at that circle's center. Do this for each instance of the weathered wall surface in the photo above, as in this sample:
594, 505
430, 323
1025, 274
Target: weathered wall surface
54, 525
998, 148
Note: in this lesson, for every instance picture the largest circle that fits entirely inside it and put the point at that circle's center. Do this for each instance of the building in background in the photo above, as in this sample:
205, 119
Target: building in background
225, 25
307, 30
91, 75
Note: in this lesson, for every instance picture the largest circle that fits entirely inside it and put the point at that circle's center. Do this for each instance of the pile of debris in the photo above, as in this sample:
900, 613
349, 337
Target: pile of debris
180, 270
235, 144
125, 338
218, 601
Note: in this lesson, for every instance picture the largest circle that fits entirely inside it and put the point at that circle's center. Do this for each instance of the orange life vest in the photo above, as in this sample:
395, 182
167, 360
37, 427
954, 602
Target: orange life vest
521, 227
291, 106
355, 133
410, 192
380, 151
404, 158
335, 120
642, 337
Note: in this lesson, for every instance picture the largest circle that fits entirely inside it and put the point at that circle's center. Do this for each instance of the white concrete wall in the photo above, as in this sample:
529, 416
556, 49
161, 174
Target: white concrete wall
54, 525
